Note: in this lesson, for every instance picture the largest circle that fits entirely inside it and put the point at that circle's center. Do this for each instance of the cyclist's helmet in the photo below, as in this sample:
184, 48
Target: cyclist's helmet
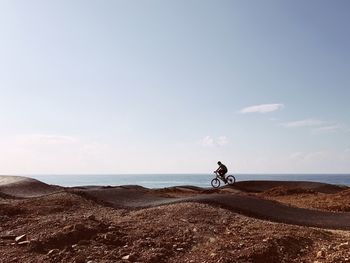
219, 163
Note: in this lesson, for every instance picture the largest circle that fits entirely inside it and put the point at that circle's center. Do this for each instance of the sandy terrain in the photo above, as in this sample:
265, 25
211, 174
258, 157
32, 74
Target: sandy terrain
249, 222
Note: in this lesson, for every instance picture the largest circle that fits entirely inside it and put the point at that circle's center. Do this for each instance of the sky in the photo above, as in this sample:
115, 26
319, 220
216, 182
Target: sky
174, 86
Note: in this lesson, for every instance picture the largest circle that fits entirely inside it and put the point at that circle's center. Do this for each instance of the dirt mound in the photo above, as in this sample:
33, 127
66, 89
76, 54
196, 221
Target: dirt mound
6, 196
184, 232
336, 202
55, 203
178, 191
261, 186
285, 190
18, 186
134, 197
240, 203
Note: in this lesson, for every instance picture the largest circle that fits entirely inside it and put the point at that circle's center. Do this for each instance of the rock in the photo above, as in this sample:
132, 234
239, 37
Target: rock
212, 239
129, 257
344, 245
67, 228
331, 247
321, 254
21, 238
109, 236
52, 251
113, 239
23, 243
213, 255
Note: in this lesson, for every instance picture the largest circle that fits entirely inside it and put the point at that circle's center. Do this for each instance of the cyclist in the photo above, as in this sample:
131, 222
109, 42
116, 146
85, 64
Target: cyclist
222, 170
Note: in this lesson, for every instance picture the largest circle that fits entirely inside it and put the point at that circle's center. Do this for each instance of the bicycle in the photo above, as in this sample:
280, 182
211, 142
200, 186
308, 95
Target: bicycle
230, 180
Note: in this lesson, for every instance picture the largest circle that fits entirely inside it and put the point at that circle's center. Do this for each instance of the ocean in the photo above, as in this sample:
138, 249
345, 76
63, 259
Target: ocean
167, 180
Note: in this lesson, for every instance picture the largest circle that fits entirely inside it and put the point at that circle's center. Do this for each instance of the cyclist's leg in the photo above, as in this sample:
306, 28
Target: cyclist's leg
222, 175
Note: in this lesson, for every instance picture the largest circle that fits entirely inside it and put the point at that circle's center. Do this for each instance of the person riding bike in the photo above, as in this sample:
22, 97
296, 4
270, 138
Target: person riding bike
222, 170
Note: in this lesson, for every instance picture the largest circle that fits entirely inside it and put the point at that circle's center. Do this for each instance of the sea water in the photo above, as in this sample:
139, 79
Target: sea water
167, 180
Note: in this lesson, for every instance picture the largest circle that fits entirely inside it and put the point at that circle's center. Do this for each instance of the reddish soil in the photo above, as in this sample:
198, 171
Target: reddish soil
337, 202
75, 226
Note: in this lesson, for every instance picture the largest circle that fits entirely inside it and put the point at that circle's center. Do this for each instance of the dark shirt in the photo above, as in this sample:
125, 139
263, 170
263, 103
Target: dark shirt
223, 168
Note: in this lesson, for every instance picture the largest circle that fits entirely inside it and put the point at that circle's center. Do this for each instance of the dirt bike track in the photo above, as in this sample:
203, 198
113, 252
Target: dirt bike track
235, 199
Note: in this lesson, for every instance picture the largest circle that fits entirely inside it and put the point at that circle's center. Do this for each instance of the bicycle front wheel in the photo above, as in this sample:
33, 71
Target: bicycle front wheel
215, 183
231, 179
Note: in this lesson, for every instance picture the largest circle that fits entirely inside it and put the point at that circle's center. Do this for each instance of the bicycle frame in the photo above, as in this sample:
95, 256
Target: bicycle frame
218, 176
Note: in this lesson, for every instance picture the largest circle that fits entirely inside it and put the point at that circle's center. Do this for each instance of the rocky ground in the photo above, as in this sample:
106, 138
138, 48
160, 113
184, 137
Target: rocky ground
337, 202
66, 227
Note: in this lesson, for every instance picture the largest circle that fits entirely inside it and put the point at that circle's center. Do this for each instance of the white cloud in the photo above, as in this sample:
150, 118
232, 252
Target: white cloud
262, 108
209, 141
329, 128
317, 126
303, 123
222, 140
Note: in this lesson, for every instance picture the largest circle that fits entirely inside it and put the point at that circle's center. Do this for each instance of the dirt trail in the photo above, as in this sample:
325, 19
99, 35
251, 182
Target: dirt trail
235, 199
240, 203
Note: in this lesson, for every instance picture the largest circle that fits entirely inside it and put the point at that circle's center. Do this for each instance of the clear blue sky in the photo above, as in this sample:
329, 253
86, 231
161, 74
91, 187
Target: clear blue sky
174, 86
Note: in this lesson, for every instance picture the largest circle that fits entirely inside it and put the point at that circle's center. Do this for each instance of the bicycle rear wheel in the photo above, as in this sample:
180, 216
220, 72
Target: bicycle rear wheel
215, 183
231, 179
